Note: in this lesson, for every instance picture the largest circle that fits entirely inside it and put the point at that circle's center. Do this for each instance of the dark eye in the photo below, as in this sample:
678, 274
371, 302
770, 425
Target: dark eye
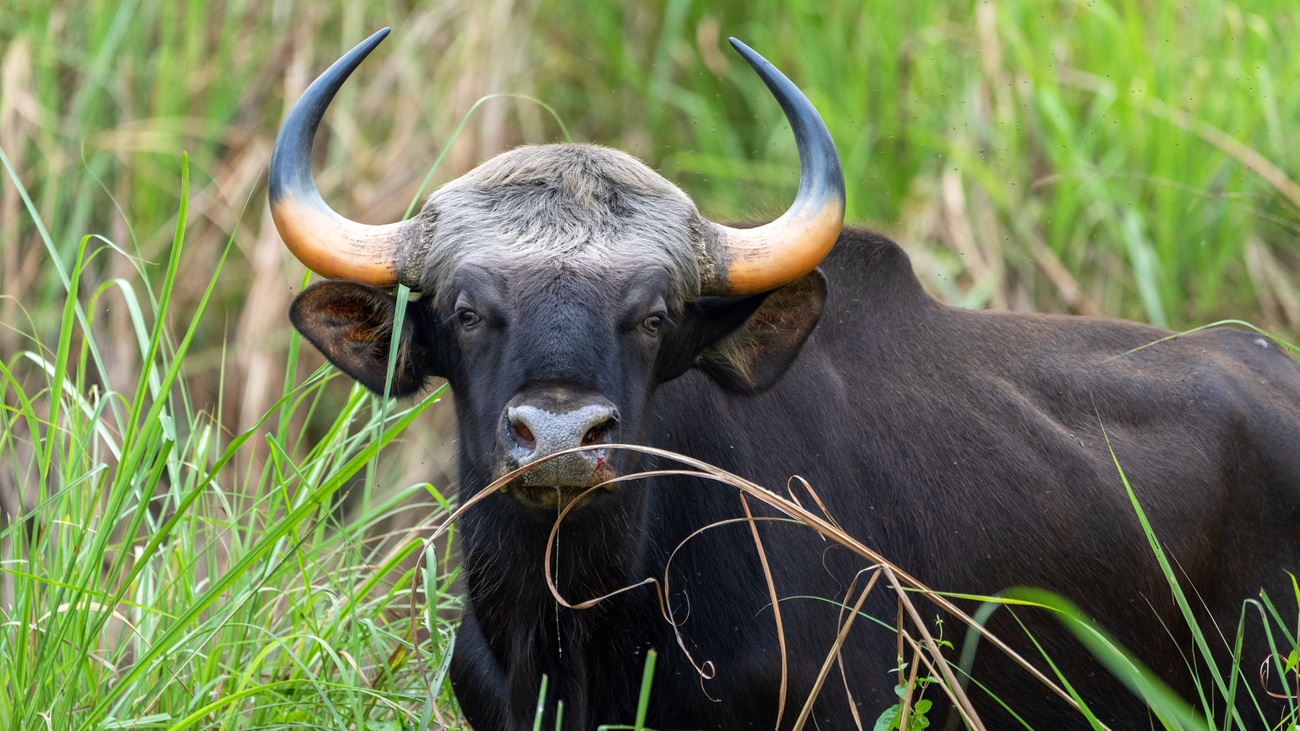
652, 323
468, 318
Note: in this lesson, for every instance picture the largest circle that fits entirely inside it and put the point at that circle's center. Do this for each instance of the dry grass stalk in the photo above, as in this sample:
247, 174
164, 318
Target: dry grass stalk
951, 686
910, 686
834, 653
898, 577
1071, 293
776, 609
1278, 296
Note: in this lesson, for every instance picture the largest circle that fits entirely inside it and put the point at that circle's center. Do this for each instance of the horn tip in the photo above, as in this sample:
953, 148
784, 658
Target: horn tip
756, 61
370, 43
740, 47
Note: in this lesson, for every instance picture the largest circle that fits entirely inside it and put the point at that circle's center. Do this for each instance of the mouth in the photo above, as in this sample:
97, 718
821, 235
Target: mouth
555, 489
557, 497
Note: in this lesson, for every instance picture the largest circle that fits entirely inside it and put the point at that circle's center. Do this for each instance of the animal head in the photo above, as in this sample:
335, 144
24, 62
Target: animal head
560, 286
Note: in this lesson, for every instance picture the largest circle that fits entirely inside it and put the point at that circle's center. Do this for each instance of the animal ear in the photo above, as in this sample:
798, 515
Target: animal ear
745, 344
352, 325
753, 357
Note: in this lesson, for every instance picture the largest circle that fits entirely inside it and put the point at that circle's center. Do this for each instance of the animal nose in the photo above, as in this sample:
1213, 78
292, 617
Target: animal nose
542, 420
534, 432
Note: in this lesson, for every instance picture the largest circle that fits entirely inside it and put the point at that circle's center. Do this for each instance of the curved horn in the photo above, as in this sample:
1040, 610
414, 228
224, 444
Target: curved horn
327, 243
773, 255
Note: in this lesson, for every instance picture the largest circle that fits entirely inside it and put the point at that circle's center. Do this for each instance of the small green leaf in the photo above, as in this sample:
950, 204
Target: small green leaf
889, 719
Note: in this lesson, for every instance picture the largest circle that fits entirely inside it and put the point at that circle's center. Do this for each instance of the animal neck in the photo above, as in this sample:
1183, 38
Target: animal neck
592, 551
528, 631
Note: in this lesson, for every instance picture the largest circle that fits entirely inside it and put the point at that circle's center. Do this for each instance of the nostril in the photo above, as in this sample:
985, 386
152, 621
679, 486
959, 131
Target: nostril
530, 432
598, 434
522, 435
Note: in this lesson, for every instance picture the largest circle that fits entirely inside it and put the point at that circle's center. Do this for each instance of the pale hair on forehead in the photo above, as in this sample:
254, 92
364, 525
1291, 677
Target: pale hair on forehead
588, 207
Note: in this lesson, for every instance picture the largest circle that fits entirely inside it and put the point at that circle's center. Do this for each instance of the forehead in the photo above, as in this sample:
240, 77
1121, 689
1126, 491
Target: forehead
564, 208
604, 290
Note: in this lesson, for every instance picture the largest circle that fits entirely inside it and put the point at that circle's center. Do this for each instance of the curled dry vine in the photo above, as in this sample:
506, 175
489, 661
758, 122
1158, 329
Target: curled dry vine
902, 582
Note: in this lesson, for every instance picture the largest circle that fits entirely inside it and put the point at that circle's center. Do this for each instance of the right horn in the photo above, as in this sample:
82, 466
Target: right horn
759, 259
327, 243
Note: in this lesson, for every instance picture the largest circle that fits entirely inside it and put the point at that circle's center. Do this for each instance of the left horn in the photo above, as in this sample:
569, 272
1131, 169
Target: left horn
759, 259
327, 243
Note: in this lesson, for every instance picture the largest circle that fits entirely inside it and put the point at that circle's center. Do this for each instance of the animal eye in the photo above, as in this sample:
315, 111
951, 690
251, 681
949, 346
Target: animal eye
468, 318
652, 323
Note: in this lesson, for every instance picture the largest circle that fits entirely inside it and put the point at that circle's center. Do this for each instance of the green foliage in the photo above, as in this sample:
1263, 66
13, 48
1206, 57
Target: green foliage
918, 706
1124, 158
204, 532
917, 720
997, 140
157, 583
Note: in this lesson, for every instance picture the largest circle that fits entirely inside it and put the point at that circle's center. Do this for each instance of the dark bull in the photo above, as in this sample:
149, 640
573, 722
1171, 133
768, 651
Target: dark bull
572, 296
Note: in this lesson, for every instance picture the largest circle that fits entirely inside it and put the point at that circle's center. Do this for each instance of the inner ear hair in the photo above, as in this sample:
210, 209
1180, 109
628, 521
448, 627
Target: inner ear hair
754, 356
352, 326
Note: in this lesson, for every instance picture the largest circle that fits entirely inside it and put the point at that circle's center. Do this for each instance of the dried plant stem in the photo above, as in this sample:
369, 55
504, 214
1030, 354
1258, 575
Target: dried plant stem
952, 693
826, 527
910, 686
776, 610
959, 697
835, 653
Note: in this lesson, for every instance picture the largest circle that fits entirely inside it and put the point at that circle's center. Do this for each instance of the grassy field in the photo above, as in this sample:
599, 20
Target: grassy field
200, 531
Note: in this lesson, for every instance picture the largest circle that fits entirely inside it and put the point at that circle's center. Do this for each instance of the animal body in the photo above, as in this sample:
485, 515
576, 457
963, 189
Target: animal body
571, 296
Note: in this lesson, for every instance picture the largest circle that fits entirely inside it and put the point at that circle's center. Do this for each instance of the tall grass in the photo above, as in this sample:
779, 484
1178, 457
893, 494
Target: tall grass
154, 585
1127, 158
1121, 158
196, 528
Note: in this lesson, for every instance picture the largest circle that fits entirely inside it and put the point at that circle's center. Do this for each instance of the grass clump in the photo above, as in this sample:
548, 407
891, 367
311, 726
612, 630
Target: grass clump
163, 579
1124, 159
197, 531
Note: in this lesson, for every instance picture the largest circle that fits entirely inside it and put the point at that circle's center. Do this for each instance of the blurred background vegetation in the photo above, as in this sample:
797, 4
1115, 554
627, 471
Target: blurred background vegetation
1125, 158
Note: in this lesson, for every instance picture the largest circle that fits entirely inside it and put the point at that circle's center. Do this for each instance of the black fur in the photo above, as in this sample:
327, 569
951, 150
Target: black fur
964, 445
